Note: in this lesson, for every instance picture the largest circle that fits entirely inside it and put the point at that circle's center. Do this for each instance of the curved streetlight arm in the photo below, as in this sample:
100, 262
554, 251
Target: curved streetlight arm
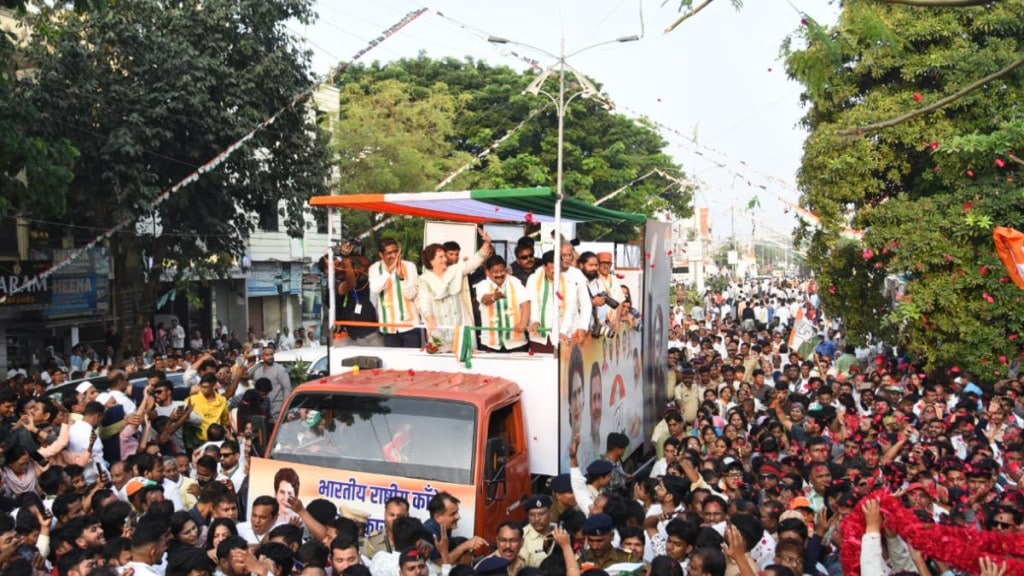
620, 40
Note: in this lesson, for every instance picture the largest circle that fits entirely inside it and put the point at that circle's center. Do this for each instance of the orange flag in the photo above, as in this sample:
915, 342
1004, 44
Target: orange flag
1010, 245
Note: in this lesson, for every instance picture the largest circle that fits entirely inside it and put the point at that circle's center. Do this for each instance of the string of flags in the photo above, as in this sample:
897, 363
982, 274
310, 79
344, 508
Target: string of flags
219, 159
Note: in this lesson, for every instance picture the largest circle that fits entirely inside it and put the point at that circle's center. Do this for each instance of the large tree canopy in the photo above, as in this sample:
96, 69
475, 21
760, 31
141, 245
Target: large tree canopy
928, 190
438, 114
152, 90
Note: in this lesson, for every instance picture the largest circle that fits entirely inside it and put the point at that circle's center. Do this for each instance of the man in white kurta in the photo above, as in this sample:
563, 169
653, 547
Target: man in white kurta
543, 296
504, 309
393, 284
577, 283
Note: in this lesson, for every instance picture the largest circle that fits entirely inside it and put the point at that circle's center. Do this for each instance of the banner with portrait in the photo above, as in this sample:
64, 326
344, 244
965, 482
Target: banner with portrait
358, 491
602, 386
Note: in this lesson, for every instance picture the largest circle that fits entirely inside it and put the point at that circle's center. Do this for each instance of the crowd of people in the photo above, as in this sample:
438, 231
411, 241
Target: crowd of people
761, 454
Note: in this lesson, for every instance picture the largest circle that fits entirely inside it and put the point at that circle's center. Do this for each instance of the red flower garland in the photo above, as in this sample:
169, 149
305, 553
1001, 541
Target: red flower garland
961, 548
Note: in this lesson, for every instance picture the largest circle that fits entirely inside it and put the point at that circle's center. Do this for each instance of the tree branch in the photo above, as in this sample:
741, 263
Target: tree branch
862, 130
1015, 158
688, 15
940, 3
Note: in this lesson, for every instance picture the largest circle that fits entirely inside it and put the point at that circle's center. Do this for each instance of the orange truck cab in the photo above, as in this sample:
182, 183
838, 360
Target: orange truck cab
360, 438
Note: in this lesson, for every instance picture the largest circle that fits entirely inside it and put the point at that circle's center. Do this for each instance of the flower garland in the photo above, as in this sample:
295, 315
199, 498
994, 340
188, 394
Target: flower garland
961, 548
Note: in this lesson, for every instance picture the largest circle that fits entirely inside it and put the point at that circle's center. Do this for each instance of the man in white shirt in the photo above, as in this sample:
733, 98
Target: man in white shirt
393, 284
576, 283
149, 543
504, 305
285, 340
262, 519
117, 391
177, 335
233, 460
83, 439
543, 297
609, 284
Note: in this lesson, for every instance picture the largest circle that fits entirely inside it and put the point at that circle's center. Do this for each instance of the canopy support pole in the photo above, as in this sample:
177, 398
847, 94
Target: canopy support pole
332, 294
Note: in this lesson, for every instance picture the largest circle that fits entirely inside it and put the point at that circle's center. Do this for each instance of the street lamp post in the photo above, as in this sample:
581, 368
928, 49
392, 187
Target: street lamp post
561, 105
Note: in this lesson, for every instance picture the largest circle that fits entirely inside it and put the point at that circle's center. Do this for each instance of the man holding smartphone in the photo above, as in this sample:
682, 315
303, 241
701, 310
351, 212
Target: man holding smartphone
165, 405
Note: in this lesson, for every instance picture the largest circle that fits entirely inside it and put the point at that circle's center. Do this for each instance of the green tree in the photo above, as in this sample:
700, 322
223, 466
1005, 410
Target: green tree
393, 136
151, 91
34, 170
603, 151
926, 189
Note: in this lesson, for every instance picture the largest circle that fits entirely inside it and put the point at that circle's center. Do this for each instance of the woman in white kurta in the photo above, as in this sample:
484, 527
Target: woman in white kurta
443, 297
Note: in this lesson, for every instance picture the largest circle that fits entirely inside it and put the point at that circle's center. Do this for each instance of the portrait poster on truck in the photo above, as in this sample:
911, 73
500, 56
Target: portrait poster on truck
602, 384
360, 491
657, 278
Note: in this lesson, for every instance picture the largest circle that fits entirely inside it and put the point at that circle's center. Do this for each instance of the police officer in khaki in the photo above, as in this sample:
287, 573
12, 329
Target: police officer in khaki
538, 537
599, 553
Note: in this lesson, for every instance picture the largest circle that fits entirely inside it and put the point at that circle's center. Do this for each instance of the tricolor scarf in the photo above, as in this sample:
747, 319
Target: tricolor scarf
463, 345
499, 312
544, 288
393, 304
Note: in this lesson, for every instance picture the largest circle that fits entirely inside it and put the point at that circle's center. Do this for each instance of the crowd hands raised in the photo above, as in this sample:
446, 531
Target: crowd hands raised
132, 466
512, 306
762, 454
766, 450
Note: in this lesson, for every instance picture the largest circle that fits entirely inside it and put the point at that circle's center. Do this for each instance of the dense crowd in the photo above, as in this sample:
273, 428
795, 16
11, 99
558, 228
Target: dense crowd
762, 453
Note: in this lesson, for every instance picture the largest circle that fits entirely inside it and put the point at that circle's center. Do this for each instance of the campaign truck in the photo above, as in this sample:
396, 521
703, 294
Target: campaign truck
487, 428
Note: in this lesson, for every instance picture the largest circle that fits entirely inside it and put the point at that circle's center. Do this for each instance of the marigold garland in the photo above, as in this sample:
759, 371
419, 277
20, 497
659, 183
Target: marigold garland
961, 548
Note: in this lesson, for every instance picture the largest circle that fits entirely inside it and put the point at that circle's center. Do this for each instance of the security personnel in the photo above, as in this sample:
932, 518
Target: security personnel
616, 445
599, 553
492, 565
538, 535
564, 499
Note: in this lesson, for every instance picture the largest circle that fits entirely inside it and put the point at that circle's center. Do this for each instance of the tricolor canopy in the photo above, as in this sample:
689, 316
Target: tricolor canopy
479, 206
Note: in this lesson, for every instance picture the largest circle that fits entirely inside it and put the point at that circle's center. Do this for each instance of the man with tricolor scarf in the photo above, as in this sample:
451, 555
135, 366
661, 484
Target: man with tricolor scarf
504, 309
393, 284
543, 295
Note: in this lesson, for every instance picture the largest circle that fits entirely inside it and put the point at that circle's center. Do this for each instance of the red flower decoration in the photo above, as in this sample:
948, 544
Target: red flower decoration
984, 270
1002, 359
868, 254
1012, 336
970, 173
934, 145
531, 352
918, 97
949, 258
804, 22
959, 547
412, 372
1000, 162
988, 297
376, 372
529, 218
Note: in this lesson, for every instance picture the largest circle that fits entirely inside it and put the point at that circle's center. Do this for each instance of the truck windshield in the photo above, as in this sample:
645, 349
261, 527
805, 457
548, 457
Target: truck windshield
408, 437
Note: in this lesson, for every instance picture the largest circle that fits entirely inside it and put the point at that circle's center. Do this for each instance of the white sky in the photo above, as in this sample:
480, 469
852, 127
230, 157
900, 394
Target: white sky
717, 77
